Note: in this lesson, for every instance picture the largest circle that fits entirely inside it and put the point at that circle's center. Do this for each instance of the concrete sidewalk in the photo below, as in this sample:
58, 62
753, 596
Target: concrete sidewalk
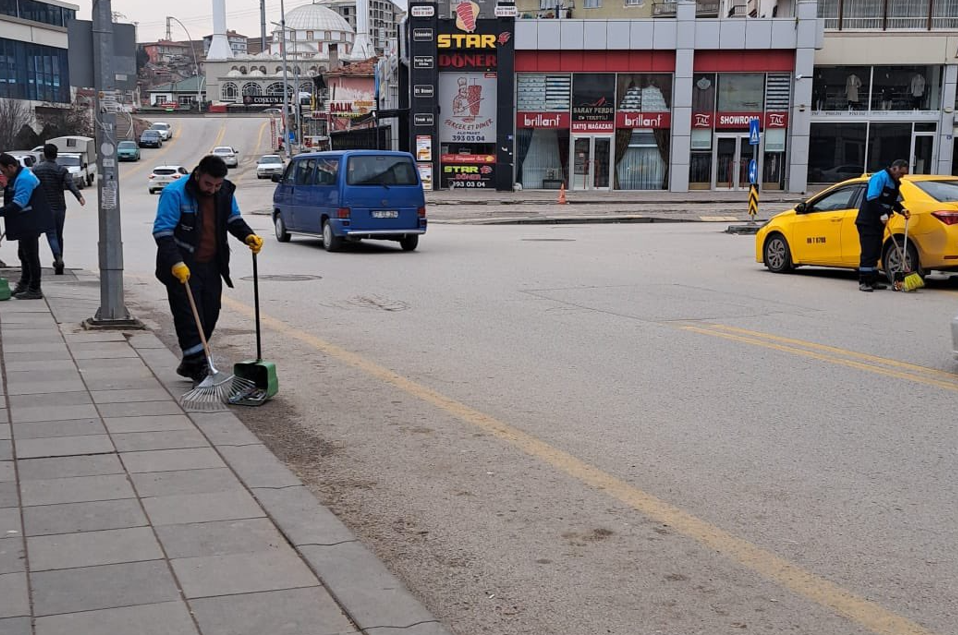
121, 514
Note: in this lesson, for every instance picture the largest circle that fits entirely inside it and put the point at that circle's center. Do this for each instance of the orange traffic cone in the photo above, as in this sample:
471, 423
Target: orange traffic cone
562, 200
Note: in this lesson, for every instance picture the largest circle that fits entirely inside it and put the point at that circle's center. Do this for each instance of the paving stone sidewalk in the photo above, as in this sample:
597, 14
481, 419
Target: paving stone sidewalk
121, 514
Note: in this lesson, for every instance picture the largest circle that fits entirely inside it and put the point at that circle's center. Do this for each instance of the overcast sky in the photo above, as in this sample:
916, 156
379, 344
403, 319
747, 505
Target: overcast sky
241, 16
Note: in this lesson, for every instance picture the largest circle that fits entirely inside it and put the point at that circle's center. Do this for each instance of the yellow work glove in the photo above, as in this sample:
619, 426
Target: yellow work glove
255, 243
181, 272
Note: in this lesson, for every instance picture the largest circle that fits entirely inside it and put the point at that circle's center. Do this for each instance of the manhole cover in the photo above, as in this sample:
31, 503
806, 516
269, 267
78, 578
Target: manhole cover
285, 278
548, 240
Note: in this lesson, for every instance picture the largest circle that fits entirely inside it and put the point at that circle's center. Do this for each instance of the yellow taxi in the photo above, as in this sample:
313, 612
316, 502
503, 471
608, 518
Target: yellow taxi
821, 231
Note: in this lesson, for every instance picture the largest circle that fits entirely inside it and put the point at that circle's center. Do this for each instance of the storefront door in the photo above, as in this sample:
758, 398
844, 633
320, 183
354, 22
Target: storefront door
591, 163
732, 156
922, 153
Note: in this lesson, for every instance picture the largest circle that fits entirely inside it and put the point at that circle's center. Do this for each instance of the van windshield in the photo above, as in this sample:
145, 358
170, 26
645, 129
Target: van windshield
70, 162
381, 170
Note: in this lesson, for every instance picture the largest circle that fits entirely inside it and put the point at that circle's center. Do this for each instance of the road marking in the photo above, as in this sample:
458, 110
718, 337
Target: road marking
840, 351
790, 576
259, 142
878, 370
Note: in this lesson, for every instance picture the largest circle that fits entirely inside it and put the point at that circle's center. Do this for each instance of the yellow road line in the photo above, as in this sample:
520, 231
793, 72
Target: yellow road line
878, 370
790, 576
837, 350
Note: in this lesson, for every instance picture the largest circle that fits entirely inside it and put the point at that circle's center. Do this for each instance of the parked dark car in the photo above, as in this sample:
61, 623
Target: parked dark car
151, 139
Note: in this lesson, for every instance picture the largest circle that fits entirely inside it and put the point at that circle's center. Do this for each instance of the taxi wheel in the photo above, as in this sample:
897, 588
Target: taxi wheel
891, 261
777, 255
281, 234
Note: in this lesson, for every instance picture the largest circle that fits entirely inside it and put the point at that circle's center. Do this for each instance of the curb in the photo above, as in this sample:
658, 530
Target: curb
369, 595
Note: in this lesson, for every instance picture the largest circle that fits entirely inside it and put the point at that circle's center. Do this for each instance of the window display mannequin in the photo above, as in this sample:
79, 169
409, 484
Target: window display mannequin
852, 84
917, 90
819, 92
887, 98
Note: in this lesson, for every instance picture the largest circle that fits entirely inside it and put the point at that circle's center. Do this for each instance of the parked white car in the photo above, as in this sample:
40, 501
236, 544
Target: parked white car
163, 175
165, 129
268, 165
228, 155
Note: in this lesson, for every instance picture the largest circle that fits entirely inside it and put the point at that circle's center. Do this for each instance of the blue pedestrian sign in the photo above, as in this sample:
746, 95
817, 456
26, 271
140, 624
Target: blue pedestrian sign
752, 172
753, 133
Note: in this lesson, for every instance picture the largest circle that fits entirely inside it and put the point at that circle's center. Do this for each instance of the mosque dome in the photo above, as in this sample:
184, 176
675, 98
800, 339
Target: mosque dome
316, 17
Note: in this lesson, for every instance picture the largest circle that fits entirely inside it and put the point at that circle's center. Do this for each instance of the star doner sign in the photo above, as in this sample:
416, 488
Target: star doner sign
467, 102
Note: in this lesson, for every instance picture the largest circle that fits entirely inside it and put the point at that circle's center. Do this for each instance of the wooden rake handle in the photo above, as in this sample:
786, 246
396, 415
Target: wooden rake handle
199, 324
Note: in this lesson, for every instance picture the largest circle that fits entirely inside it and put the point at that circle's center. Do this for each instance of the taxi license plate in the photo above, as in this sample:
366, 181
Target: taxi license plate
386, 214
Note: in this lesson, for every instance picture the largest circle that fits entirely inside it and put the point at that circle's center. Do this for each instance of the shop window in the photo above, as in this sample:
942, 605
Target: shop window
906, 88
703, 92
542, 158
642, 159
741, 92
954, 160
700, 170
543, 93
837, 151
841, 88
886, 143
644, 92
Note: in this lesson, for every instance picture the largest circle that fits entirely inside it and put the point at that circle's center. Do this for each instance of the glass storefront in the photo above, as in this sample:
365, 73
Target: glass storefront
876, 88
839, 151
593, 131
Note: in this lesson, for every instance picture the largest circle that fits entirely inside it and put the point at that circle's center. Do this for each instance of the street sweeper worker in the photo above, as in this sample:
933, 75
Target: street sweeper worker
882, 199
192, 219
26, 215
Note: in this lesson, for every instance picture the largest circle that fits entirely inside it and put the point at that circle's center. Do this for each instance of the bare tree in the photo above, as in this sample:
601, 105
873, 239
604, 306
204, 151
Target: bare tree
57, 121
14, 115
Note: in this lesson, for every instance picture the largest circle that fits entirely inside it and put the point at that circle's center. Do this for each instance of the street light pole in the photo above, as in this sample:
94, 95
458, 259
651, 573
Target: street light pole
282, 27
196, 65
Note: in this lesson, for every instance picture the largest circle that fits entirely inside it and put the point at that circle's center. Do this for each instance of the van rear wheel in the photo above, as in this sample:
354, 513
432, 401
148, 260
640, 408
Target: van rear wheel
280, 227
409, 243
331, 242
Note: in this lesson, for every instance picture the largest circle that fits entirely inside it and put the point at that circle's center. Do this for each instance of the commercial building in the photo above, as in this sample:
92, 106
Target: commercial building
884, 88
33, 50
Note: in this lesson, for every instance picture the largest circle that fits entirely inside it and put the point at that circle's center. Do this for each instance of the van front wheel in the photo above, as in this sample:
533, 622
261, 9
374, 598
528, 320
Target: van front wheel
409, 243
331, 242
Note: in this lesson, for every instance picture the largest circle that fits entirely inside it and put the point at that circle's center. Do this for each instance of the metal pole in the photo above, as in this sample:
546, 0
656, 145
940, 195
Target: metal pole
282, 28
112, 311
196, 65
262, 25
299, 112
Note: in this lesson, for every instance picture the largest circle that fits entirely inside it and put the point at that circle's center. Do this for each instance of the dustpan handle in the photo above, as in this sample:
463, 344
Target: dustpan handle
259, 344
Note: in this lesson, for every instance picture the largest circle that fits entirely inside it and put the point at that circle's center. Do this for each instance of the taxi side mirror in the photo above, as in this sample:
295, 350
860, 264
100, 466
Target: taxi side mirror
801, 208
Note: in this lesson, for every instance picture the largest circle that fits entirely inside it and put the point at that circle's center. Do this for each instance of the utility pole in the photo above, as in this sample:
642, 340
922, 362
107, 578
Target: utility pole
112, 312
282, 27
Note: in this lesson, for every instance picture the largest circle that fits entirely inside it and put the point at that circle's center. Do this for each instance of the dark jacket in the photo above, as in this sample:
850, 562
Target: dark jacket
54, 180
25, 210
178, 225
883, 197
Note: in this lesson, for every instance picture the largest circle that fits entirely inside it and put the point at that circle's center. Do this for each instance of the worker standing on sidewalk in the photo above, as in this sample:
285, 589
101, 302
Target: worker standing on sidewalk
55, 179
192, 220
882, 199
26, 216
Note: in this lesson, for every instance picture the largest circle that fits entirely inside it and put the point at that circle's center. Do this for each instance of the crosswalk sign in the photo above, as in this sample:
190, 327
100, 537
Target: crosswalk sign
753, 132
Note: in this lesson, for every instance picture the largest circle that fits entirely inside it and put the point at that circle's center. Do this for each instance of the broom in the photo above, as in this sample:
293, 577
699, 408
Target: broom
215, 391
906, 280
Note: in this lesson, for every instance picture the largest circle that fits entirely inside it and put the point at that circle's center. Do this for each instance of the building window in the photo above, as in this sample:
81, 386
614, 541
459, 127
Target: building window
886, 143
641, 159
229, 91
836, 151
592, 4
328, 37
274, 89
32, 71
309, 36
635, 3
741, 92
251, 89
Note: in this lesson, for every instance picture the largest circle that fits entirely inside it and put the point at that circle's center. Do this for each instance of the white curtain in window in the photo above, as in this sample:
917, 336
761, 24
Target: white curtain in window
542, 159
642, 167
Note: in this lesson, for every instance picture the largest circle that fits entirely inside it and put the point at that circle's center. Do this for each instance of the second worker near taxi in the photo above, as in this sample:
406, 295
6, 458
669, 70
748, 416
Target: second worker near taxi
192, 220
882, 199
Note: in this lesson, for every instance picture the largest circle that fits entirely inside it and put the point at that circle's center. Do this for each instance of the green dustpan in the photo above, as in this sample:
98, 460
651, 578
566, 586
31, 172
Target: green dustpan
262, 374
4, 289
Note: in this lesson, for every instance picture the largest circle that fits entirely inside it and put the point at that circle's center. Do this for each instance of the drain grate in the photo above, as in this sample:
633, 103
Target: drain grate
284, 278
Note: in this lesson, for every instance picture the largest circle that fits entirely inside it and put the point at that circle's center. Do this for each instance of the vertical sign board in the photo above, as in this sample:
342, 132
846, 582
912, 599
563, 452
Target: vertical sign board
421, 28
506, 128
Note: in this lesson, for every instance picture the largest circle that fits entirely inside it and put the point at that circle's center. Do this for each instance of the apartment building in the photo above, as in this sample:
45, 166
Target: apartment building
33, 50
384, 20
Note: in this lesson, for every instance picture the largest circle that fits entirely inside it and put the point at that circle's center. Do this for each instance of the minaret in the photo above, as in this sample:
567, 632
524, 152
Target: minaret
220, 46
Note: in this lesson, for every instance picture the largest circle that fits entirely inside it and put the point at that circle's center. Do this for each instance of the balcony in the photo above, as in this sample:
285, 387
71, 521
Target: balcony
889, 15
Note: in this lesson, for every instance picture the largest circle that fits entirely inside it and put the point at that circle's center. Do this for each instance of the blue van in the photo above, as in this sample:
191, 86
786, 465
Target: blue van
350, 195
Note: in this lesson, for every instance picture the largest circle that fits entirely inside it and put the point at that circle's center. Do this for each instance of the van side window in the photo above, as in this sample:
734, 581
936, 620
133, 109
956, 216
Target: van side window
290, 172
304, 171
326, 171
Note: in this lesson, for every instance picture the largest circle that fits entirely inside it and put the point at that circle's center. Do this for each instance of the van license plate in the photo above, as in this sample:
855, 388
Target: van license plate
386, 214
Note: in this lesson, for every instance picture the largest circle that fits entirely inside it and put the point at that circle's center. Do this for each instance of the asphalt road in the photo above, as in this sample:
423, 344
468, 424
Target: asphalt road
587, 429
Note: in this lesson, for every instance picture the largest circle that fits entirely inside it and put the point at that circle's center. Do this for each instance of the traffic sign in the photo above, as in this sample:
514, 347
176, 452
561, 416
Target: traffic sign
752, 172
753, 132
753, 201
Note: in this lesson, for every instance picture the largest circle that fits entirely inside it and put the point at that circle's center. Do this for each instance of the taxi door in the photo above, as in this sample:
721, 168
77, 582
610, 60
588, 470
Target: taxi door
817, 228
